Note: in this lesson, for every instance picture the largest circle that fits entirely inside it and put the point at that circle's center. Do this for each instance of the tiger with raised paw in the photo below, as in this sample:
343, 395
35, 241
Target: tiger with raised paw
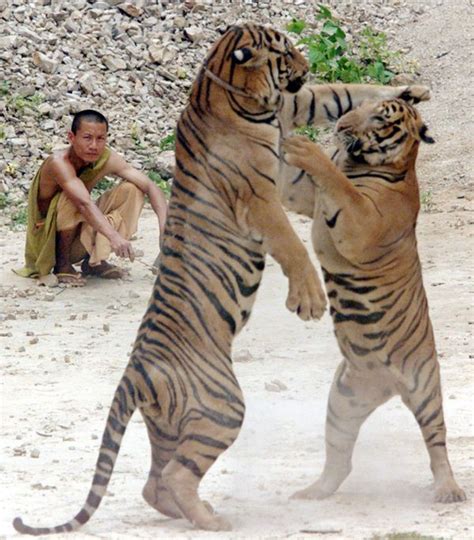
364, 204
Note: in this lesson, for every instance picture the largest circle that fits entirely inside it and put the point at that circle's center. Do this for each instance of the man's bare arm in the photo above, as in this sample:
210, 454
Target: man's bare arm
76, 191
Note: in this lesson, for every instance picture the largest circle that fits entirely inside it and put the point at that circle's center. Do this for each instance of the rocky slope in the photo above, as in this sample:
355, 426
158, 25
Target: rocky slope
134, 61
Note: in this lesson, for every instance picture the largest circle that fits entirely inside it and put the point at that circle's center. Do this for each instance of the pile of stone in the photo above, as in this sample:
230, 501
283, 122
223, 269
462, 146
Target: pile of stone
134, 61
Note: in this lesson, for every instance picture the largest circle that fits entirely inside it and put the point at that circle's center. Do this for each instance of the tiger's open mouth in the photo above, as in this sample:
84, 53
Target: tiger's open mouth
353, 146
295, 85
346, 140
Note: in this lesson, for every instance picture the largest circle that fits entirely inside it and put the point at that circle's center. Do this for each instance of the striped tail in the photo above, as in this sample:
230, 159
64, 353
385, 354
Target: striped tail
122, 409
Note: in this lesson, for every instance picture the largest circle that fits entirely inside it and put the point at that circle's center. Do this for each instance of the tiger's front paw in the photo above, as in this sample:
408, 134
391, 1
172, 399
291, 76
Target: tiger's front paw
300, 152
415, 93
306, 296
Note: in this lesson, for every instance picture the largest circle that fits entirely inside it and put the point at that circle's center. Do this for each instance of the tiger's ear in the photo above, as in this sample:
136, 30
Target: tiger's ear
249, 57
425, 136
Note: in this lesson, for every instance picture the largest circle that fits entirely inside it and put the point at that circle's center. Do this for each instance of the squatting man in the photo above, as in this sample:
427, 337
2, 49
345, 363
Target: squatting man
65, 226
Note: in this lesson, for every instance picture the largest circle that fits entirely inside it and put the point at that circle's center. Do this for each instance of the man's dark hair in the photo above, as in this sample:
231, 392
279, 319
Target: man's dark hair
88, 115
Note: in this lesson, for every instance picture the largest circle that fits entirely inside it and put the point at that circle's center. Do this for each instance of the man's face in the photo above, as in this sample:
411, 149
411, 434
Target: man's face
89, 140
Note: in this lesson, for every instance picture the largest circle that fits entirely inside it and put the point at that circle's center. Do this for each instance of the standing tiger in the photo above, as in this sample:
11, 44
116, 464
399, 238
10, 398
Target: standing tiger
365, 205
224, 216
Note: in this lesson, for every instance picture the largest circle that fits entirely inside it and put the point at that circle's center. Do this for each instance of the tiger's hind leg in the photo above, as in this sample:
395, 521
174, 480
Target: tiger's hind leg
354, 395
424, 400
203, 439
163, 446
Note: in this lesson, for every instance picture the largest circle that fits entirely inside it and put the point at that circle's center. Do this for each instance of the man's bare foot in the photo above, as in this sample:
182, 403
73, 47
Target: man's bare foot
103, 270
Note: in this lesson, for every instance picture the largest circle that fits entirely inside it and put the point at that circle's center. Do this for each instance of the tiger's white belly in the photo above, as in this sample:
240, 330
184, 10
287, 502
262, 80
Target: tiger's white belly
323, 244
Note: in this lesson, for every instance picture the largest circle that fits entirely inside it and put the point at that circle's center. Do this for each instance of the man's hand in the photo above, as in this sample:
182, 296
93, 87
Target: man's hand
121, 247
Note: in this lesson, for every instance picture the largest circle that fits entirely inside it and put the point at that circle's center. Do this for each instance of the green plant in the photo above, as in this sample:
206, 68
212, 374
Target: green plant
4, 201
102, 186
135, 135
2, 132
4, 88
426, 201
375, 54
311, 132
332, 57
11, 169
296, 26
327, 51
47, 147
18, 104
404, 536
168, 142
19, 218
160, 182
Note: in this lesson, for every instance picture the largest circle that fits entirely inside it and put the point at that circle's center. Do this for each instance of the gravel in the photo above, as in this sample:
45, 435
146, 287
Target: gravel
134, 61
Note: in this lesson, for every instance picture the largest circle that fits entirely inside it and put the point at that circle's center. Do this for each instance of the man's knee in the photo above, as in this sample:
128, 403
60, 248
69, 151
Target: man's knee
129, 190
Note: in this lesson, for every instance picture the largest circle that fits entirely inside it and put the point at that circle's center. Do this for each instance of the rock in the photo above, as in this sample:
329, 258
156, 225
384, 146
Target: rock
41, 486
44, 63
130, 9
87, 82
106, 327
44, 109
7, 42
165, 163
72, 27
402, 79
166, 74
18, 141
161, 55
49, 125
275, 386
179, 22
243, 356
29, 34
114, 63
26, 91
193, 33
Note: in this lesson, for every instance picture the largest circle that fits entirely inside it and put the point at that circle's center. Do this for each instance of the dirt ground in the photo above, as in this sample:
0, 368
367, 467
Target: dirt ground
64, 351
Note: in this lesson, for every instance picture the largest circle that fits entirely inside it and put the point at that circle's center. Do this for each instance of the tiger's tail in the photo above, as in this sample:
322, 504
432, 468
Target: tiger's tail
121, 410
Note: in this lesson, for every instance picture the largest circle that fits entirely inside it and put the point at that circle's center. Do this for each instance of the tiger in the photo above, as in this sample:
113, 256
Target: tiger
365, 202
224, 216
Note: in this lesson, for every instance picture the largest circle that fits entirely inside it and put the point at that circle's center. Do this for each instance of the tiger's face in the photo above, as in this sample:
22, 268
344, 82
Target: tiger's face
263, 62
381, 132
